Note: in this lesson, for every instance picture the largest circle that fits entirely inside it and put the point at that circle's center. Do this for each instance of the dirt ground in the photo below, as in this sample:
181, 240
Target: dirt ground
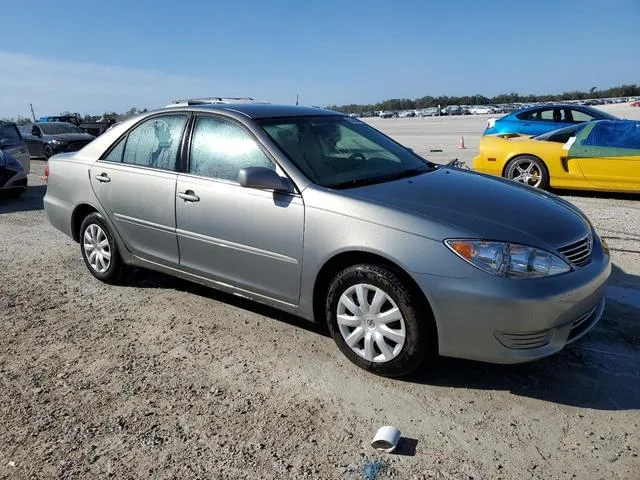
161, 378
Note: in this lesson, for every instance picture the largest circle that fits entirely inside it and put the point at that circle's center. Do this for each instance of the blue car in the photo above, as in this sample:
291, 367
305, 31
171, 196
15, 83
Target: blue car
544, 118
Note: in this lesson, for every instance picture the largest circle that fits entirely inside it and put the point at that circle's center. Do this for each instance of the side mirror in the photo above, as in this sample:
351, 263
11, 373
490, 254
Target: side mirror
4, 142
263, 178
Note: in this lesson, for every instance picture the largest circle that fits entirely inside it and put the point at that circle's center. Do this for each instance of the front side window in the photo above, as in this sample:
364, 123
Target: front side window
155, 143
220, 149
342, 152
27, 128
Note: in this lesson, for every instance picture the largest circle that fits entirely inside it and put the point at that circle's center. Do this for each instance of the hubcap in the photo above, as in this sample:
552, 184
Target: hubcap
96, 248
371, 323
527, 172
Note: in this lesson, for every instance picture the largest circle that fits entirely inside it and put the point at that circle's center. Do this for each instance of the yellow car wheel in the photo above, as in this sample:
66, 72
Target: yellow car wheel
529, 170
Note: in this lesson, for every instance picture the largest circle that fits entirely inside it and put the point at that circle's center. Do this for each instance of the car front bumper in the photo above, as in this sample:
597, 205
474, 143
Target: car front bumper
502, 320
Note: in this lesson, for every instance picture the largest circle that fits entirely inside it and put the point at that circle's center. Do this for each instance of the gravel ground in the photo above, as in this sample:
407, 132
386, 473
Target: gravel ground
161, 378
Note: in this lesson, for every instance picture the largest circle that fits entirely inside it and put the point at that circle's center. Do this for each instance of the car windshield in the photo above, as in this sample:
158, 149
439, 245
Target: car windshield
54, 128
342, 152
561, 135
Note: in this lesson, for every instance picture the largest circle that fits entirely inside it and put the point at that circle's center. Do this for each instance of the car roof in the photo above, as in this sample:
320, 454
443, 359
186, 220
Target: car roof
260, 110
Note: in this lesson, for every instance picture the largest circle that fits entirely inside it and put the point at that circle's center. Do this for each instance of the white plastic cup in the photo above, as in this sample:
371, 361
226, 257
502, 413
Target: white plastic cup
386, 439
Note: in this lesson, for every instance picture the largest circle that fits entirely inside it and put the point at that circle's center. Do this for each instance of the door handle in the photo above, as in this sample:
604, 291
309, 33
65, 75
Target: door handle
189, 196
103, 178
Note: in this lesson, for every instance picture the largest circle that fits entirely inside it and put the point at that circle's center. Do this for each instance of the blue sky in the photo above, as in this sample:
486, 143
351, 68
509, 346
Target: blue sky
96, 56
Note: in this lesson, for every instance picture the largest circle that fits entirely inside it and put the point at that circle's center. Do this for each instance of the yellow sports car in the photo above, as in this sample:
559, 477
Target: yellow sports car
598, 155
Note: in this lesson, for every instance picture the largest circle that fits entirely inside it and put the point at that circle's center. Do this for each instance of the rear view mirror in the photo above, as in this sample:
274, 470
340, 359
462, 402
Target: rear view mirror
263, 178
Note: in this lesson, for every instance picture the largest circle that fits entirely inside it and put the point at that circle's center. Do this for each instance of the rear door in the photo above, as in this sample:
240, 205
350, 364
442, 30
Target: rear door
12, 143
251, 239
135, 183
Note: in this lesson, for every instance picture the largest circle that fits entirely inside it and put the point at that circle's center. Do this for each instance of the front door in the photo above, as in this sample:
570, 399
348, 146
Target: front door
136, 185
251, 239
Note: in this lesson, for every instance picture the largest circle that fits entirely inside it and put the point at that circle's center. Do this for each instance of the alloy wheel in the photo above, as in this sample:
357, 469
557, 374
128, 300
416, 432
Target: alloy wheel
528, 172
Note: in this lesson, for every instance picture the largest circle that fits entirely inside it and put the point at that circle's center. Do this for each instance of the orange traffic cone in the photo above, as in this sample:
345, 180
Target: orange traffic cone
461, 144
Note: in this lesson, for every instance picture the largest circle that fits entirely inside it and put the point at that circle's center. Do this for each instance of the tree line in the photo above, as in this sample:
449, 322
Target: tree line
630, 90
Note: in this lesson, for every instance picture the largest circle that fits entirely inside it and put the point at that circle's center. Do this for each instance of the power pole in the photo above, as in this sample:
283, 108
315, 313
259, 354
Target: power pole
33, 114
296, 99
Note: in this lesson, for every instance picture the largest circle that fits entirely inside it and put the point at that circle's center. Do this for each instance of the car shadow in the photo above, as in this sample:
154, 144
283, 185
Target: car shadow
596, 194
598, 371
141, 278
30, 200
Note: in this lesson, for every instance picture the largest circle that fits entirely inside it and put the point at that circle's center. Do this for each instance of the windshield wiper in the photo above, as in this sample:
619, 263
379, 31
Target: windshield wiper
359, 182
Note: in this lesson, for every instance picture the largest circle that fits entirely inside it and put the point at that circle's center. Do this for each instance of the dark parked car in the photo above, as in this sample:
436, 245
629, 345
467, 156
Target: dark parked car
48, 138
14, 161
12, 142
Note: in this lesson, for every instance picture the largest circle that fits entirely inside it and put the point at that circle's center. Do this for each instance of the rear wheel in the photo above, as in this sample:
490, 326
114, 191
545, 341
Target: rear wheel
377, 322
99, 249
528, 170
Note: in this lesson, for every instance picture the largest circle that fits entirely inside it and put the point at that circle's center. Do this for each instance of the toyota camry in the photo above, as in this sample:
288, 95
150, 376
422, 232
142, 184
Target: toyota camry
319, 214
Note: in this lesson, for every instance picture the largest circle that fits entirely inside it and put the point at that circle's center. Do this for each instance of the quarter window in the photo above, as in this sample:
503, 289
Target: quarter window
220, 149
155, 143
115, 155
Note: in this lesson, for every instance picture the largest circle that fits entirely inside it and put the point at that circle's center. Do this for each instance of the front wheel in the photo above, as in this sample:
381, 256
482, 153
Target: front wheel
529, 170
48, 151
99, 249
377, 322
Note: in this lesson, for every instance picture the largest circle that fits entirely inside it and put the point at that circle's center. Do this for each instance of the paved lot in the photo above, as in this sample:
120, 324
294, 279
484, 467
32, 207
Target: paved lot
165, 379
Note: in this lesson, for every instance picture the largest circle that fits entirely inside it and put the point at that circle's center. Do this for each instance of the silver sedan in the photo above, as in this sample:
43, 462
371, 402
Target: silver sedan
321, 215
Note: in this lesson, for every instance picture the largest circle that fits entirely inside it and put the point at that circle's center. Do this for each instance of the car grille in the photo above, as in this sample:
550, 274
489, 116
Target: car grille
578, 253
75, 146
524, 341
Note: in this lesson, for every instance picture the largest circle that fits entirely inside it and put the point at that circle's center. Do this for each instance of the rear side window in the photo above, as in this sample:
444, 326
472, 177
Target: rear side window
579, 116
9, 132
155, 143
220, 149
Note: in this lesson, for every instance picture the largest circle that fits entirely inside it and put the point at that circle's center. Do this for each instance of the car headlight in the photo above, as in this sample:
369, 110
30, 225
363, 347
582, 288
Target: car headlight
57, 142
509, 259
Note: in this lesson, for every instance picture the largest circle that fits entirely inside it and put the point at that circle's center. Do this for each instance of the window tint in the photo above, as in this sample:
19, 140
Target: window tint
579, 116
155, 143
9, 132
220, 149
115, 155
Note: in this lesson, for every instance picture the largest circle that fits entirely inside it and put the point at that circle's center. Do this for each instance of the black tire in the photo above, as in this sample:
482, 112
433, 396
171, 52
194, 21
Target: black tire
47, 151
116, 267
420, 338
509, 171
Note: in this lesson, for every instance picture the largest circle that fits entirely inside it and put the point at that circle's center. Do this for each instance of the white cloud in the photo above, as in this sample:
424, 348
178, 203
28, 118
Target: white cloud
54, 86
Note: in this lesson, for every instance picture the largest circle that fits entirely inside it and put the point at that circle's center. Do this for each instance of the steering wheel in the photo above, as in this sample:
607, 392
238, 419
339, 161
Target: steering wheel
357, 156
